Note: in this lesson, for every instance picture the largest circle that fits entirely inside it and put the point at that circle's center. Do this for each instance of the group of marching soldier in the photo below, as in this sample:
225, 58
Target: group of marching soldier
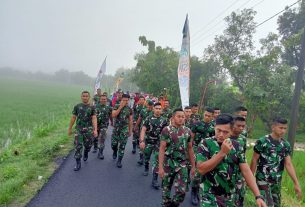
204, 153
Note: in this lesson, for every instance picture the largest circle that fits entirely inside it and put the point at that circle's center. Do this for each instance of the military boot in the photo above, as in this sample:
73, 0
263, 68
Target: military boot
194, 196
174, 204
100, 154
119, 162
85, 158
155, 183
140, 162
134, 147
78, 165
146, 169
115, 154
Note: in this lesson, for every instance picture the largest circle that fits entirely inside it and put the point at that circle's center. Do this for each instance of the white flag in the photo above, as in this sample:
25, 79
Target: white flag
184, 66
100, 74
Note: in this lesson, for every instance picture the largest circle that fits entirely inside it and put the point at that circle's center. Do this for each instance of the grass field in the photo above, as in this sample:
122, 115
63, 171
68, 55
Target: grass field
33, 126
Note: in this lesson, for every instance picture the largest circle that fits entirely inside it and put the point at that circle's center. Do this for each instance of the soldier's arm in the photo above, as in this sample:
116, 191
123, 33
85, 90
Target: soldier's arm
72, 121
138, 122
161, 158
94, 122
291, 171
130, 123
142, 134
254, 160
191, 154
117, 111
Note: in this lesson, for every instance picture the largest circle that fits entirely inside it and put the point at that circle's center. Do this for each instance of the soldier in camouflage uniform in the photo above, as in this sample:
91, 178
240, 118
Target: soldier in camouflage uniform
149, 144
148, 111
201, 130
216, 114
86, 128
271, 155
103, 113
122, 128
96, 97
195, 117
243, 112
219, 160
238, 127
136, 113
174, 146
167, 112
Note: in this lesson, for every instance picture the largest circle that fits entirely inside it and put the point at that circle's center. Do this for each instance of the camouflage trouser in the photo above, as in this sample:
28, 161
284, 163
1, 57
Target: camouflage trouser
102, 134
152, 149
82, 138
212, 200
135, 136
271, 193
119, 139
178, 177
197, 176
240, 192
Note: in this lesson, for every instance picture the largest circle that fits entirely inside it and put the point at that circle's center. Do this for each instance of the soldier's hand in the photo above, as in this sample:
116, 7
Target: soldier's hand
142, 146
95, 133
69, 132
161, 172
122, 104
298, 191
226, 146
261, 203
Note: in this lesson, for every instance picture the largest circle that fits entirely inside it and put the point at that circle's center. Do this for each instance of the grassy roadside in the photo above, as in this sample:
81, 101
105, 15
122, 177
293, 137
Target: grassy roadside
27, 166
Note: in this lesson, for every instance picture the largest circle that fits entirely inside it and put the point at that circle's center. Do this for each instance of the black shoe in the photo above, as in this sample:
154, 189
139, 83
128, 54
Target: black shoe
114, 155
100, 154
119, 162
94, 150
78, 165
85, 155
145, 173
155, 183
134, 146
173, 204
141, 161
194, 196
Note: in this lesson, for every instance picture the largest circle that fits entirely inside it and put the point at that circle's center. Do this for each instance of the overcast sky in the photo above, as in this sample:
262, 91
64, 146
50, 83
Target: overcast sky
48, 35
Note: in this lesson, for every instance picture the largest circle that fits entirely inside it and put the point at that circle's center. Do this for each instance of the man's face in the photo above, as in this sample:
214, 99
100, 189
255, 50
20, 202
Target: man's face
150, 107
179, 118
279, 129
125, 101
141, 101
85, 98
222, 132
238, 127
216, 113
188, 113
166, 104
103, 100
99, 92
242, 114
207, 117
195, 109
157, 110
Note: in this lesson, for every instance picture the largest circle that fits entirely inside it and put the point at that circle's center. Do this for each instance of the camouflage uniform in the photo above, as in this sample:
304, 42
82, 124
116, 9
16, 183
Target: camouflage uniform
167, 113
218, 185
120, 130
136, 113
201, 130
154, 126
103, 113
175, 163
196, 117
83, 129
96, 99
270, 167
239, 195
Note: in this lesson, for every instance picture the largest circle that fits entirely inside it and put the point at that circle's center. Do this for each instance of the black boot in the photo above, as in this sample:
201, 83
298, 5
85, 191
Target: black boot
134, 147
100, 154
78, 165
115, 154
119, 162
85, 158
146, 169
173, 204
140, 162
194, 196
155, 183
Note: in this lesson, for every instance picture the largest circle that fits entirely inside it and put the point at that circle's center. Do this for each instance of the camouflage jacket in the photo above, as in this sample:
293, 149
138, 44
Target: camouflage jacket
242, 140
188, 123
177, 140
96, 99
84, 113
144, 114
167, 113
202, 130
222, 179
154, 126
103, 113
136, 111
196, 117
271, 161
122, 120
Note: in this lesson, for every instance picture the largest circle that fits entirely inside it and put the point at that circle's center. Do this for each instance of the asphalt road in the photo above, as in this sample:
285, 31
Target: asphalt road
100, 183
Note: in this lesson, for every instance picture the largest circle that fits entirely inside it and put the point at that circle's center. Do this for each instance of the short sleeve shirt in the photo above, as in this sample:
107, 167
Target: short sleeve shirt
84, 113
122, 120
154, 126
202, 130
103, 113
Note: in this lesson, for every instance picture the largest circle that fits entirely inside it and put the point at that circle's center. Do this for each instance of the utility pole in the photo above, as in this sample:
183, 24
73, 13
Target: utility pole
297, 93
